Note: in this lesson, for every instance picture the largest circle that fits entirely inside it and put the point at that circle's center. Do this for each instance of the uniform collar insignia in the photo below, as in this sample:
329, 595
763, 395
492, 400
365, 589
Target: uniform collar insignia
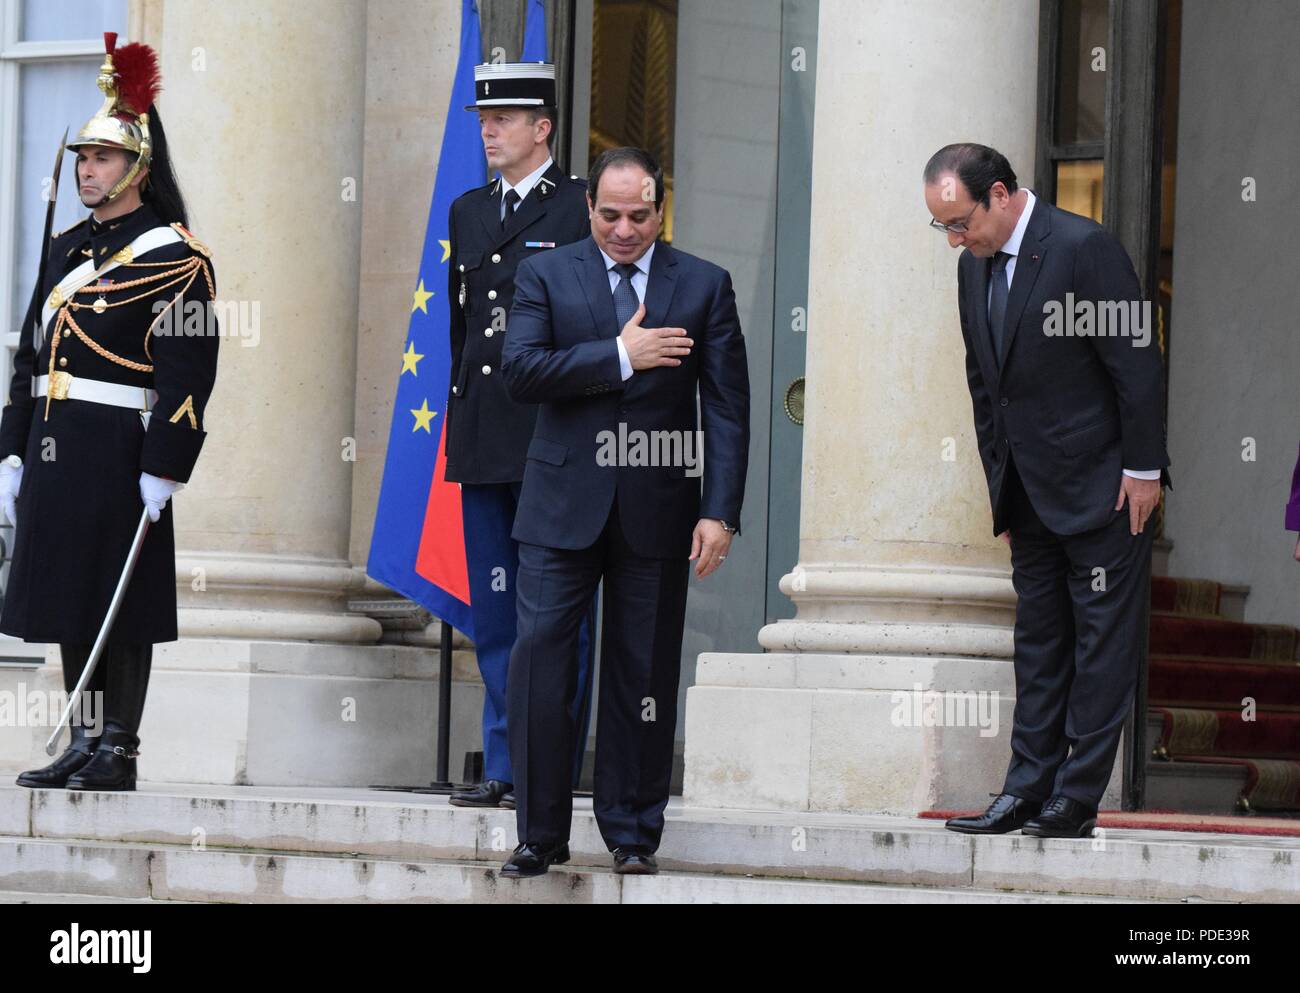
109, 238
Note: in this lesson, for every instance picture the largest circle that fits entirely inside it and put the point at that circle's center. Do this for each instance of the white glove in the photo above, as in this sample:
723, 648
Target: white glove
10, 481
155, 492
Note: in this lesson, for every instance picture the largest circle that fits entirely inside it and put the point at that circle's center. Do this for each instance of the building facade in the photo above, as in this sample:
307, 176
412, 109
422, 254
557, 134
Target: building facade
794, 133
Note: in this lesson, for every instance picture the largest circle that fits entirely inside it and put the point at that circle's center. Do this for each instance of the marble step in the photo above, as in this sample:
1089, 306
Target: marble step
364, 826
133, 873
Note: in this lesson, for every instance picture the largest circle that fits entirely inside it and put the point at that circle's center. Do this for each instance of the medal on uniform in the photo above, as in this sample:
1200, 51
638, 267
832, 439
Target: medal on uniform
101, 305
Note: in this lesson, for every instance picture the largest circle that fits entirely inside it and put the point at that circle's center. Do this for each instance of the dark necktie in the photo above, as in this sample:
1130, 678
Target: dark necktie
998, 301
625, 301
508, 207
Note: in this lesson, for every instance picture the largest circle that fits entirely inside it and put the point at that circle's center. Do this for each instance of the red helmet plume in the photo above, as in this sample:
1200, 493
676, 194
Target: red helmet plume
138, 76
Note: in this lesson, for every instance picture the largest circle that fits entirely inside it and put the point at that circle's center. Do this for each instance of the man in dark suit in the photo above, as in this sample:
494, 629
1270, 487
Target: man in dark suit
1067, 386
613, 337
527, 210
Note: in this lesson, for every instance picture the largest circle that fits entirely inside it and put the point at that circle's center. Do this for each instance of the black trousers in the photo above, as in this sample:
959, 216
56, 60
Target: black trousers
641, 648
1078, 640
122, 676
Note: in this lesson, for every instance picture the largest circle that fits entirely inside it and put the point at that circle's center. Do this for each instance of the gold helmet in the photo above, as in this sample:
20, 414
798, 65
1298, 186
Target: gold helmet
130, 80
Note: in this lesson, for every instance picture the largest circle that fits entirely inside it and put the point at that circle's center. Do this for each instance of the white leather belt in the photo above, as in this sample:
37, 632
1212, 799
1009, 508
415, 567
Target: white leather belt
97, 391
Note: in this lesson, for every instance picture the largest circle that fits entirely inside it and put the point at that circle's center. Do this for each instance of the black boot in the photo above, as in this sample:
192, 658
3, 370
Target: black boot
112, 767
55, 775
128, 682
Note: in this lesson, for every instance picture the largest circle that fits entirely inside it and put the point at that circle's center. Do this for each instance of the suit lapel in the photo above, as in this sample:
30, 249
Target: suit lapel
1029, 263
589, 267
978, 305
660, 286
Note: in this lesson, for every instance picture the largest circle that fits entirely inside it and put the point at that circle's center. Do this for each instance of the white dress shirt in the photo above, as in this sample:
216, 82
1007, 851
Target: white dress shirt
523, 187
1012, 248
640, 280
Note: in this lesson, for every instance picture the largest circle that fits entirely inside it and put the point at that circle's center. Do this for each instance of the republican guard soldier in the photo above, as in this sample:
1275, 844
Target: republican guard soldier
116, 359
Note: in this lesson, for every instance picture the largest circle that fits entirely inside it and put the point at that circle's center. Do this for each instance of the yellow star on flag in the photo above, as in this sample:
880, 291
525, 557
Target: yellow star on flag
423, 416
421, 298
446, 250
409, 358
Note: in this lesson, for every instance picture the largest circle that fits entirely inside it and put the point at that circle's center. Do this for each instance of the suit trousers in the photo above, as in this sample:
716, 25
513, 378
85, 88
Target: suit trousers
641, 647
492, 558
1079, 633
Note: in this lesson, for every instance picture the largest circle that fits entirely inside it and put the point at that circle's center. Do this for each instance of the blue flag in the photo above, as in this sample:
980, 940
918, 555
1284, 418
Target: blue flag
418, 546
535, 32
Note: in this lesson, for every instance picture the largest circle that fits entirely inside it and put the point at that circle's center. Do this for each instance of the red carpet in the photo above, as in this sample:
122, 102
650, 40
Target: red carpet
1150, 820
1227, 692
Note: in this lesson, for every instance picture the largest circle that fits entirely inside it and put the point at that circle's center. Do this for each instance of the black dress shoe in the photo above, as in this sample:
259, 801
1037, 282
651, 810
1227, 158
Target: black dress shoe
1006, 813
112, 767
1063, 818
635, 861
488, 793
533, 860
74, 758
508, 800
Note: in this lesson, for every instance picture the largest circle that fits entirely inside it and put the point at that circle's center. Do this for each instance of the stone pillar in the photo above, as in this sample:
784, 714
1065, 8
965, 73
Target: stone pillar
274, 680
901, 588
264, 111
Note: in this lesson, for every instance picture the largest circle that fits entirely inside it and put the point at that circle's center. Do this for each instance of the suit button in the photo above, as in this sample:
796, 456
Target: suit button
1005, 401
487, 332
487, 369
63, 360
461, 267
66, 332
496, 258
455, 391
492, 294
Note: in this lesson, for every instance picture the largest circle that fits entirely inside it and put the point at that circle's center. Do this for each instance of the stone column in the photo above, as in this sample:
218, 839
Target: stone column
901, 589
274, 680
264, 110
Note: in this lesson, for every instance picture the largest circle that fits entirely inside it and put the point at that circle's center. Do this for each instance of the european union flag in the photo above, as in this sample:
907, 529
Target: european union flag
535, 32
418, 546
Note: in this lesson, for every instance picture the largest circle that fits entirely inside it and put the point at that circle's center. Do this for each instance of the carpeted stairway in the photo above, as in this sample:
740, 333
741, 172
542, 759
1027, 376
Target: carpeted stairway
1226, 692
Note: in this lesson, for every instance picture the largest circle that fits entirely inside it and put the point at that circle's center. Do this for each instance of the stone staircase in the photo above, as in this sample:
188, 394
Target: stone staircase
276, 845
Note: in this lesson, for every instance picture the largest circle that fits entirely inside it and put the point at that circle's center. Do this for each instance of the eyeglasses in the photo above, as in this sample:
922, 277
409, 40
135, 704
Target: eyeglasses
956, 227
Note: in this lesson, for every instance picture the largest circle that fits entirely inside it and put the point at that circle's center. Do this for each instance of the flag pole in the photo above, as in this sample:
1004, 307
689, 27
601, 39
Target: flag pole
442, 782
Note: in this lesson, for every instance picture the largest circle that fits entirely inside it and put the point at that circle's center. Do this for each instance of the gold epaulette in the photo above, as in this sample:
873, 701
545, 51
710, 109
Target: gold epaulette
191, 241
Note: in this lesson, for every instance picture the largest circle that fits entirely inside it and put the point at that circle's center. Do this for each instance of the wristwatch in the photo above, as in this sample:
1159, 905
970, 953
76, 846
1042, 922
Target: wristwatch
14, 461
729, 528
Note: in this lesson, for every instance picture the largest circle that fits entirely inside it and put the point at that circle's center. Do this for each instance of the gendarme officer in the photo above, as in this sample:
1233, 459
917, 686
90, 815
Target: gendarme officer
530, 208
